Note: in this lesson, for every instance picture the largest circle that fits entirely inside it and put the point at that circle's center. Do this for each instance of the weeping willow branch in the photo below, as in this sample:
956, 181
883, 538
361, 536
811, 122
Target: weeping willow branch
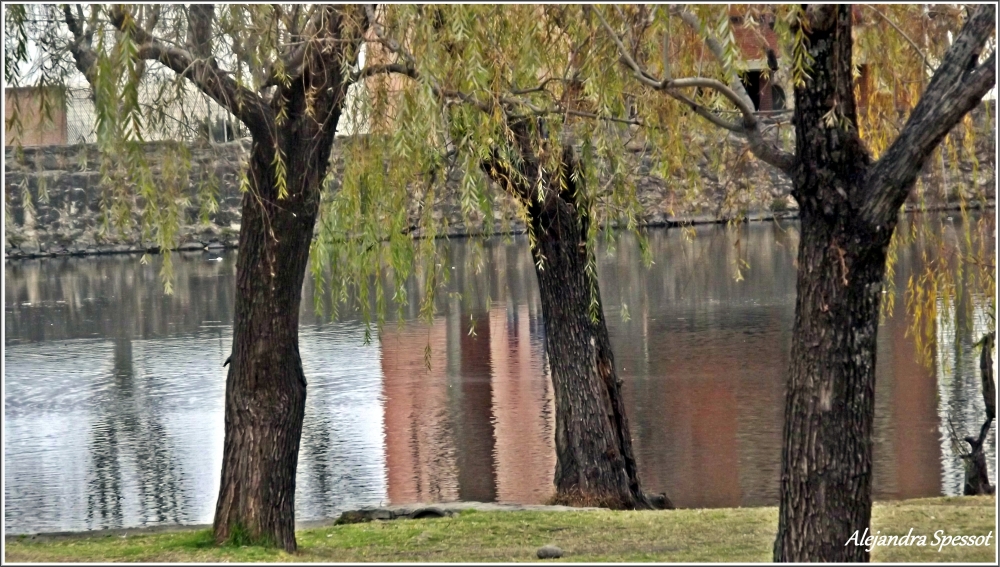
291, 66
957, 86
82, 46
204, 73
762, 148
912, 43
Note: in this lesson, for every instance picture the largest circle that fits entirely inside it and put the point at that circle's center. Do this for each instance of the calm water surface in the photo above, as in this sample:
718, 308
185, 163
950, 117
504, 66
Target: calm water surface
114, 392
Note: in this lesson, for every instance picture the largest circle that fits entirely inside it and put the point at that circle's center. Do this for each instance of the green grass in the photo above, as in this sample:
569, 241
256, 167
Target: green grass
721, 535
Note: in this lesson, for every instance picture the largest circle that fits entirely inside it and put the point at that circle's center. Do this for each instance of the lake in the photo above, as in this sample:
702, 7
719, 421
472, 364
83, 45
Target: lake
114, 391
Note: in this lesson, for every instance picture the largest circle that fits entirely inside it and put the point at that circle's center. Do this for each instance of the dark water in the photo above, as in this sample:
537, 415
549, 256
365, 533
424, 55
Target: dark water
114, 392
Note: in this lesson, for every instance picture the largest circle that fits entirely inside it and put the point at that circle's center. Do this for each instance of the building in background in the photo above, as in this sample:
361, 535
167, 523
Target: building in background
758, 45
35, 115
58, 116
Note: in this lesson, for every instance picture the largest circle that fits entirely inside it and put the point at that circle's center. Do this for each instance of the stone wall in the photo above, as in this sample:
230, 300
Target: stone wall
65, 216
63, 183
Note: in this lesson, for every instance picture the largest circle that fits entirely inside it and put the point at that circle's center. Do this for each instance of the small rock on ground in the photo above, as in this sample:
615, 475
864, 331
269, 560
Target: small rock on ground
549, 552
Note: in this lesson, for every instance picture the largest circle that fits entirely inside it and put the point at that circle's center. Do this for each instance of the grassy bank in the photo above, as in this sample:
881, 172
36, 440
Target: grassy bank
742, 534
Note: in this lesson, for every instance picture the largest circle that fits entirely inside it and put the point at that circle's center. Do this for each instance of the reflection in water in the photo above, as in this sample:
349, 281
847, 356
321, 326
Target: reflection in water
114, 391
961, 400
703, 359
127, 430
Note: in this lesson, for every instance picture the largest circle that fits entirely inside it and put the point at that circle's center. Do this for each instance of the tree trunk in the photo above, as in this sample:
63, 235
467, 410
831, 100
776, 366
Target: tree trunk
266, 388
826, 468
595, 463
826, 465
848, 209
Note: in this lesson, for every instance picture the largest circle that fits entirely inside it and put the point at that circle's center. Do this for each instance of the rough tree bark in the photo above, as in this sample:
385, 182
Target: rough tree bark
266, 387
595, 462
849, 208
829, 403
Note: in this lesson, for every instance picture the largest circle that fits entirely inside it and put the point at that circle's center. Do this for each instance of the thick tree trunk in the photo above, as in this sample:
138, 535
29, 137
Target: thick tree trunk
826, 467
266, 388
849, 208
595, 463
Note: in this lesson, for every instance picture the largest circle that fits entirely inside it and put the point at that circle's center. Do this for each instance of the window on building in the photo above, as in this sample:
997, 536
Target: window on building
751, 82
764, 95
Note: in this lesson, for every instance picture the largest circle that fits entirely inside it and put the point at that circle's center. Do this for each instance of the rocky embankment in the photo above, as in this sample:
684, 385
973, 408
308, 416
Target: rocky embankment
55, 202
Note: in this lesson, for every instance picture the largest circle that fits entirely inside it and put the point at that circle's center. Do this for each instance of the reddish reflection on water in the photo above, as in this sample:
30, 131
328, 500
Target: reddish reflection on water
476, 425
703, 359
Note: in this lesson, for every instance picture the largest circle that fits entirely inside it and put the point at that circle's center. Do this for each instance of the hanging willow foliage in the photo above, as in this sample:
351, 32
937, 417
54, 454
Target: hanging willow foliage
441, 89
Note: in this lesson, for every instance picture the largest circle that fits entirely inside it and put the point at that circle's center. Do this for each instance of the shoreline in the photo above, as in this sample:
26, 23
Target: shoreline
388, 513
698, 220
381, 513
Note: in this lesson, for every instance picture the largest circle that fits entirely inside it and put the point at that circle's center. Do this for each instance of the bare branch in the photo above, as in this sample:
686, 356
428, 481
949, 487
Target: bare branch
408, 71
199, 39
956, 88
293, 24
81, 47
390, 43
749, 115
595, 116
715, 47
538, 88
205, 74
291, 64
762, 148
708, 114
384, 69
153, 17
641, 75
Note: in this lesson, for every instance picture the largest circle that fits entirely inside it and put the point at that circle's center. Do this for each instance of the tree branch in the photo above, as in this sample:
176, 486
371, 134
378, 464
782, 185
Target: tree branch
708, 114
390, 43
762, 148
199, 39
538, 88
641, 75
749, 114
715, 47
153, 18
955, 89
81, 48
291, 63
205, 74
